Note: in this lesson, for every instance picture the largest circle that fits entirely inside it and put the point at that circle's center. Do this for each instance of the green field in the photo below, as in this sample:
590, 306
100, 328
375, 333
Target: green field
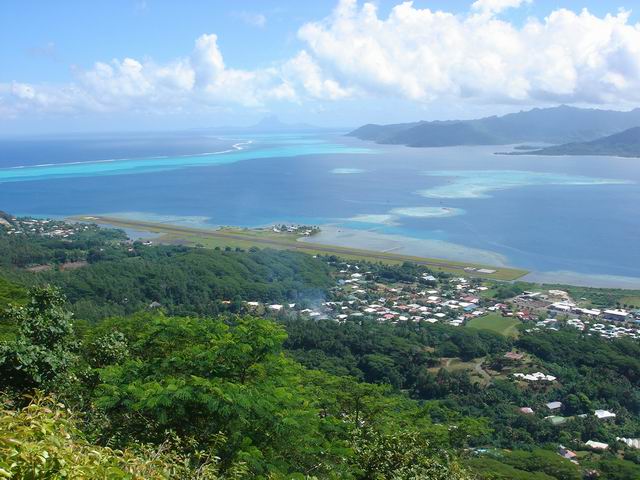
247, 238
632, 301
495, 322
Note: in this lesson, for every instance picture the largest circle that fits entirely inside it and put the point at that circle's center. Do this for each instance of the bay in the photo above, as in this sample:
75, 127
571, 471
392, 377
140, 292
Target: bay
571, 215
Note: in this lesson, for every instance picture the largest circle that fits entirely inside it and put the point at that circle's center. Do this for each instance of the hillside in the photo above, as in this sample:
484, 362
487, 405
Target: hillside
623, 144
561, 124
170, 362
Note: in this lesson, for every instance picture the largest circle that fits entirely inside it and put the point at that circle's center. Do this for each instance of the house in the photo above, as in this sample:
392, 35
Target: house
555, 420
554, 405
566, 453
616, 315
561, 307
513, 356
630, 442
596, 445
536, 377
526, 410
604, 414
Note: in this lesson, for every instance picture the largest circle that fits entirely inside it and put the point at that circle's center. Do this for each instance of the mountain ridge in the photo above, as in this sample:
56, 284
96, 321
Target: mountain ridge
557, 125
622, 144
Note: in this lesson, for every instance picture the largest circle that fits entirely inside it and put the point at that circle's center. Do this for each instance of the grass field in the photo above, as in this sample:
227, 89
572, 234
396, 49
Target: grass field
632, 300
495, 322
247, 238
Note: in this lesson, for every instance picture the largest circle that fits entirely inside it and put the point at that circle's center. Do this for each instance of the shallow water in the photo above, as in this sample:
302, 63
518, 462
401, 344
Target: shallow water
549, 214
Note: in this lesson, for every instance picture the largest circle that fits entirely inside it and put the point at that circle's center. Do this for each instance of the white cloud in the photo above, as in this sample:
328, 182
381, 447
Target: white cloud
253, 19
413, 54
424, 55
199, 81
303, 69
496, 6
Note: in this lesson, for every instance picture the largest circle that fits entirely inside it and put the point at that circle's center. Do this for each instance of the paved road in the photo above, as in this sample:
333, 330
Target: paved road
166, 228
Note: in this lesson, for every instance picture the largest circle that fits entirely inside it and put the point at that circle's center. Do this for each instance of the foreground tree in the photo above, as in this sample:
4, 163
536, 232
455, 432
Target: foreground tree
42, 441
41, 355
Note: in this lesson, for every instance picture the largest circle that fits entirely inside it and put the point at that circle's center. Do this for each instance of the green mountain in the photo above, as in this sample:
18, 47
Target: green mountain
561, 124
623, 144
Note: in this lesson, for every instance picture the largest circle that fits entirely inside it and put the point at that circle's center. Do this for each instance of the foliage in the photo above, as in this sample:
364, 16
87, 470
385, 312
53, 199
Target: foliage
303, 398
42, 441
189, 281
400, 456
41, 353
382, 352
30, 249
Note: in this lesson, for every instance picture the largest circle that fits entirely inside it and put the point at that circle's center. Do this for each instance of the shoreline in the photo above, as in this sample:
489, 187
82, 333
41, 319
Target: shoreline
245, 238
335, 234
372, 245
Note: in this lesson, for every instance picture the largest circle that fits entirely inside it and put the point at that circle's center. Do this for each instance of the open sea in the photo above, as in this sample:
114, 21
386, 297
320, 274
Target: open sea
573, 219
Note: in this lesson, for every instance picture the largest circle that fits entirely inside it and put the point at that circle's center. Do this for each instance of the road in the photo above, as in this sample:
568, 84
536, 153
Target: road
287, 244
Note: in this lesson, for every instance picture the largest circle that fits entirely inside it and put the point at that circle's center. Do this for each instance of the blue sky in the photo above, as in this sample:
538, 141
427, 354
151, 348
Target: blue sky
297, 59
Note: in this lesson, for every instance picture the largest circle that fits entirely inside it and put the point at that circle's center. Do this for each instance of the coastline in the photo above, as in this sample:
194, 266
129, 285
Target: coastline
334, 234
213, 237
363, 244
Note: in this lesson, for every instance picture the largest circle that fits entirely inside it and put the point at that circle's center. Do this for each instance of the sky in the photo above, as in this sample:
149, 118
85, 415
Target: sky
161, 64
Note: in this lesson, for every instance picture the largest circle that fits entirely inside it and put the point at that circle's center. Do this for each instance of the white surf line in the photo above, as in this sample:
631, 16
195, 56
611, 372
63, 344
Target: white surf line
234, 148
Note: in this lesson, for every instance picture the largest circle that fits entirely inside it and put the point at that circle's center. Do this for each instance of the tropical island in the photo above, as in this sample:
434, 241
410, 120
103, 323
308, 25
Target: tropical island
623, 144
226, 362
557, 125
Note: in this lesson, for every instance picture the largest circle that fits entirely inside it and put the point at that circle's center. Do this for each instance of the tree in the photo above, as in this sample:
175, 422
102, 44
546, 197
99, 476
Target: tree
42, 440
204, 377
405, 455
41, 355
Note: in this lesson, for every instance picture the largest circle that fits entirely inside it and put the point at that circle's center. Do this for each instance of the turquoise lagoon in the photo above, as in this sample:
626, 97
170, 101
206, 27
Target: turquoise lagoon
575, 215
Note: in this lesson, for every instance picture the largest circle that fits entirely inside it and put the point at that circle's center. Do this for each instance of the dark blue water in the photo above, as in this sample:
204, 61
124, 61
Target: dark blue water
578, 214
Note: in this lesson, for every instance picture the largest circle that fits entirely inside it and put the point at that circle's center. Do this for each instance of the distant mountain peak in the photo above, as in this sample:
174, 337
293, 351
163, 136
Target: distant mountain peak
271, 121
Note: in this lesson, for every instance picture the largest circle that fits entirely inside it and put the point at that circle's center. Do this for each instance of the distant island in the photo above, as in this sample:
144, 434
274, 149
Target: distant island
269, 124
623, 144
557, 125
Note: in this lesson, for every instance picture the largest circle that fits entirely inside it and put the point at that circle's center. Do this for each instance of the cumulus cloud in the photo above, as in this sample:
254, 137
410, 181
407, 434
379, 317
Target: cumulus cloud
197, 81
303, 69
414, 54
422, 54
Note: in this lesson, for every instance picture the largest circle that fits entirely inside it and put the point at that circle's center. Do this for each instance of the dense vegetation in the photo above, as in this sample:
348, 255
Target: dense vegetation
594, 373
120, 280
220, 391
28, 249
196, 389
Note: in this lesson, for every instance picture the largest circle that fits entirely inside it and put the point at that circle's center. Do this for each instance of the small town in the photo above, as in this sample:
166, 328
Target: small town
45, 227
457, 301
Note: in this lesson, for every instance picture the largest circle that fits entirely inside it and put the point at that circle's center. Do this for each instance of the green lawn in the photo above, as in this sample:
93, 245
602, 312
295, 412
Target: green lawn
495, 322
631, 300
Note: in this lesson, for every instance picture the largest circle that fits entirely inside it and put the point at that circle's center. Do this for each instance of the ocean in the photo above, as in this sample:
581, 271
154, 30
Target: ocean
565, 218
